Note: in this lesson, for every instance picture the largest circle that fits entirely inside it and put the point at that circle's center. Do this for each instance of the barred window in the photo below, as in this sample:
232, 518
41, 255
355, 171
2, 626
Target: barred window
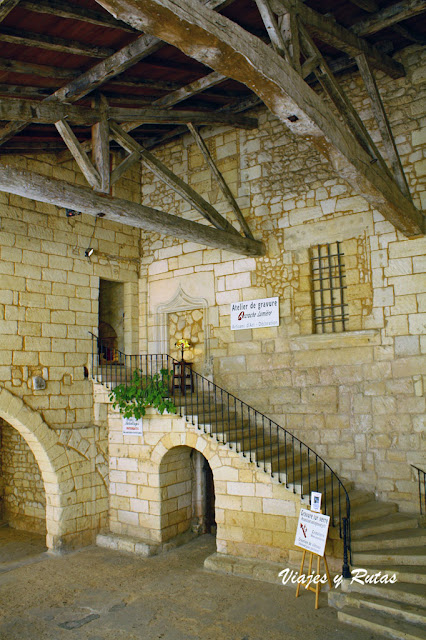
328, 288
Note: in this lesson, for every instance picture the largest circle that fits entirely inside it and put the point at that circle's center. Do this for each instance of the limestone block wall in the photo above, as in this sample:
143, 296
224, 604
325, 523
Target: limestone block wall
22, 497
149, 499
49, 295
356, 397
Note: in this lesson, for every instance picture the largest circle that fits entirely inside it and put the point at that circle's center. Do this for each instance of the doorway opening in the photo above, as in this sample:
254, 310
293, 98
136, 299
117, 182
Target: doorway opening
22, 498
187, 493
111, 320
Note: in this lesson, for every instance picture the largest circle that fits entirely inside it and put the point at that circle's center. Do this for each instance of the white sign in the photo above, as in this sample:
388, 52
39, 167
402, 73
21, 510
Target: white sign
316, 501
312, 530
132, 427
252, 314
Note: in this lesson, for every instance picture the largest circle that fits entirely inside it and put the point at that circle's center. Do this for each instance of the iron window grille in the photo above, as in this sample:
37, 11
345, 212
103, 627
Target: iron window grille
328, 288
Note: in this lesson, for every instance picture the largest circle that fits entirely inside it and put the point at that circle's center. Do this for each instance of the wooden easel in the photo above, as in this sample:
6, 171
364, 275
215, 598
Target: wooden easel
316, 588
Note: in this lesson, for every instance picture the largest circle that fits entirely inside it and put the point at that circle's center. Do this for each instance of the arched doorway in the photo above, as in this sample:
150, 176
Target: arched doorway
22, 493
187, 493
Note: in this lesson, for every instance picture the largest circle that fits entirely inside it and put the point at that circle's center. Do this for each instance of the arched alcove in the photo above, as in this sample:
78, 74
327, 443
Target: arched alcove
187, 493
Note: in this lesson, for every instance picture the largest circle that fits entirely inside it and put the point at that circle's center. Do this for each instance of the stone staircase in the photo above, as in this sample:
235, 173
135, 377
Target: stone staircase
393, 544
382, 539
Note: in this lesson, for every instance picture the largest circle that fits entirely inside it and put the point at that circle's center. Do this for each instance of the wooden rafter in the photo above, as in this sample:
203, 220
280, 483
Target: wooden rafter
63, 194
383, 123
171, 180
271, 26
232, 51
90, 173
6, 7
332, 33
389, 16
71, 11
220, 179
51, 43
100, 144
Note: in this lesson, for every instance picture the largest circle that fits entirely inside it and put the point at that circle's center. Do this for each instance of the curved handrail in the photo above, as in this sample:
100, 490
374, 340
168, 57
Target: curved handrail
254, 431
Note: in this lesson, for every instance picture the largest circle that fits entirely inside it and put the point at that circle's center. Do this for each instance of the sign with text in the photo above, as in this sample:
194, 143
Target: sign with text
132, 427
252, 314
312, 531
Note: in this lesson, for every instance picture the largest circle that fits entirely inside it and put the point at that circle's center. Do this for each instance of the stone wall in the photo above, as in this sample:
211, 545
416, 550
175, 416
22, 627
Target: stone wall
22, 498
356, 397
49, 296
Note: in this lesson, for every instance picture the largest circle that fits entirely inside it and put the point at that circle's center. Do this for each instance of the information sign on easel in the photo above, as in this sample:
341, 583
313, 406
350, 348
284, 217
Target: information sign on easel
311, 536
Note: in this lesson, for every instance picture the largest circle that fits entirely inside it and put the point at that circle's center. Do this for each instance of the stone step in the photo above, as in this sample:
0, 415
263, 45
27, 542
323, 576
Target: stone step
414, 556
391, 540
412, 594
392, 522
381, 623
407, 574
372, 510
409, 613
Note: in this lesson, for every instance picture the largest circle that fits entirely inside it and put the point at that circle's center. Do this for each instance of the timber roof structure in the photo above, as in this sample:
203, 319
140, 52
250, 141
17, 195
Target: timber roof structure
95, 75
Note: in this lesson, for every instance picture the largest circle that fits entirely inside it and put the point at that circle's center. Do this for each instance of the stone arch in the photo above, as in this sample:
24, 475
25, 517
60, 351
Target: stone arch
50, 457
177, 443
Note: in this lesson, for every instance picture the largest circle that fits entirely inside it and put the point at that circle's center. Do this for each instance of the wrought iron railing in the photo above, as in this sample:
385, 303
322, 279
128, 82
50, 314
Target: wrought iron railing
232, 421
422, 488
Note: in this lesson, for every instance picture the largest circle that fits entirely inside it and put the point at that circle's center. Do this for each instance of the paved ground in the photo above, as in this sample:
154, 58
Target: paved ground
97, 594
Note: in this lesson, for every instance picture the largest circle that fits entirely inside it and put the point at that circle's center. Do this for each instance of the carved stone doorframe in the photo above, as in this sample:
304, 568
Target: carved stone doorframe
181, 301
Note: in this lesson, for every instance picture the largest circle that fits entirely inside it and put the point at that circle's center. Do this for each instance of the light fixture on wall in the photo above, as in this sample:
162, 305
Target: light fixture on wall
70, 213
88, 252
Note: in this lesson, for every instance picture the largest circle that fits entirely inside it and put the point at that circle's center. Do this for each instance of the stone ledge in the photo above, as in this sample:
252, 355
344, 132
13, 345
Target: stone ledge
139, 546
365, 337
253, 568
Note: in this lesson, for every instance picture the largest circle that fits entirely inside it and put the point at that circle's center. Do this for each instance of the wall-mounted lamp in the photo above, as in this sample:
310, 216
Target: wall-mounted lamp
89, 251
70, 213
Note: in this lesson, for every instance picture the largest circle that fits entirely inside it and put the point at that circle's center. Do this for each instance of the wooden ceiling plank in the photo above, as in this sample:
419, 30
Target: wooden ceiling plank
289, 26
63, 194
171, 180
383, 123
389, 16
74, 12
229, 49
332, 33
143, 116
6, 7
90, 173
43, 112
220, 179
53, 43
100, 144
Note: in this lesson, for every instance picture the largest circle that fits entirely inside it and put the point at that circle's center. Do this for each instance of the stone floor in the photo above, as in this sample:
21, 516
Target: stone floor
98, 594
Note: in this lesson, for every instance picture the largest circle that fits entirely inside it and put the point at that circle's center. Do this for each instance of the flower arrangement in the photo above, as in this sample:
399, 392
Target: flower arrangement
183, 344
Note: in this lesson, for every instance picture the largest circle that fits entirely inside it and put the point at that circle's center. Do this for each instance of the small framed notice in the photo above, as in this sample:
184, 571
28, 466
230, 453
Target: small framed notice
316, 501
132, 427
312, 531
252, 314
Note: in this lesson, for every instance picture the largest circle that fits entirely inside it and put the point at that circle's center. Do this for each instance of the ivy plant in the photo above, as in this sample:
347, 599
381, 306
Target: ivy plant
133, 399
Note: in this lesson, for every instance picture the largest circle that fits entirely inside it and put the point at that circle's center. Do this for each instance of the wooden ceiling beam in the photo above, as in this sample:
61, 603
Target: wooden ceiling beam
74, 12
70, 196
389, 16
53, 43
50, 112
229, 49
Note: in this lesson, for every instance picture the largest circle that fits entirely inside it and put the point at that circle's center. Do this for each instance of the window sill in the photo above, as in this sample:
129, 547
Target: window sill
336, 340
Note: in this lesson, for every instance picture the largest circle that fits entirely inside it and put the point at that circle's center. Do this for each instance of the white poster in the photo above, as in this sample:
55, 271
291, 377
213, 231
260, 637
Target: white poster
312, 531
316, 501
253, 314
132, 427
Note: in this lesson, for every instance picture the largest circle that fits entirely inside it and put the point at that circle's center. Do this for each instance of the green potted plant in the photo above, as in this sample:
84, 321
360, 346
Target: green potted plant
133, 399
